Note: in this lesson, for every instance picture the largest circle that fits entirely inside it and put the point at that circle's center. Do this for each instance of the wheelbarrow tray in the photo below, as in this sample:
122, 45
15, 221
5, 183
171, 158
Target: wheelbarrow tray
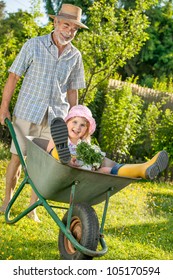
53, 180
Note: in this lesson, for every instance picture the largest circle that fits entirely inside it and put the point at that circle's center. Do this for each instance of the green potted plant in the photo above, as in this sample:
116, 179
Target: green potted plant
90, 155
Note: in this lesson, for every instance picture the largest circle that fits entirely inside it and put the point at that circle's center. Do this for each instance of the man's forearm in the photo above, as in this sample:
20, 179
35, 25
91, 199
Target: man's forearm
72, 96
9, 90
6, 97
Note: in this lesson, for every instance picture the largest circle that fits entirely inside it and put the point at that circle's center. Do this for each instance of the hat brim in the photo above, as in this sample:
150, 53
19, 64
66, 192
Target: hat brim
81, 25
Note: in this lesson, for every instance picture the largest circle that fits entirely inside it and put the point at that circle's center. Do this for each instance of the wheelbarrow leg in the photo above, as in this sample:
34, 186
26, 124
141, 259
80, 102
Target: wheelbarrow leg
105, 211
73, 188
15, 196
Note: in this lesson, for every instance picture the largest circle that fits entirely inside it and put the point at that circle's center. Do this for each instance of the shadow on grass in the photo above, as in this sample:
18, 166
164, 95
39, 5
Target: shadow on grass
157, 233
160, 204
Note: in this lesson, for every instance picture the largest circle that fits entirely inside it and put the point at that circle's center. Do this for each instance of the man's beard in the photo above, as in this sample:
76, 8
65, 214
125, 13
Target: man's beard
63, 41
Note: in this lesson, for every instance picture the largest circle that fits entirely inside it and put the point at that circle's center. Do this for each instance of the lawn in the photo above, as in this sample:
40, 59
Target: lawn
139, 225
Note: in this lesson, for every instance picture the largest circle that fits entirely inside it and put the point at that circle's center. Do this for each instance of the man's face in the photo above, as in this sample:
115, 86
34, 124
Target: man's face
64, 31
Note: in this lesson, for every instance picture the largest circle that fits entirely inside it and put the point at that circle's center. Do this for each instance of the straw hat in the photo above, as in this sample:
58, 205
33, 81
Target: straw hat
71, 13
83, 112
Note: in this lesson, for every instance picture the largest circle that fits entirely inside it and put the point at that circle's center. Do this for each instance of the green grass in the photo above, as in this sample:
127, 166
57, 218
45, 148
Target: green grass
4, 151
139, 225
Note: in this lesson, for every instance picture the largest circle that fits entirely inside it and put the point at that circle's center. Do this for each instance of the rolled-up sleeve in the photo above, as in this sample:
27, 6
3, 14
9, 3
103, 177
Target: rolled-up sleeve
23, 59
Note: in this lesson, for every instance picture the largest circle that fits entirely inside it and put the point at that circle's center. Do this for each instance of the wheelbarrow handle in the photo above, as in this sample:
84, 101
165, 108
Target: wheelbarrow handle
13, 135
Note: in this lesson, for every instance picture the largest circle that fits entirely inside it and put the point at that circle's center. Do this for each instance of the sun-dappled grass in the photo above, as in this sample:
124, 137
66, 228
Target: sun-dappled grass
139, 225
140, 222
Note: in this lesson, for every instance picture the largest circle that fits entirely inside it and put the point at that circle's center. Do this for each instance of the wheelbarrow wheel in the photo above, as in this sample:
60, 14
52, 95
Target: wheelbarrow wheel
85, 228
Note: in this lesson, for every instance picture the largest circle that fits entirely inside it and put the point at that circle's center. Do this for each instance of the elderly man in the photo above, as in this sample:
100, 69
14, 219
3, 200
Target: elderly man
53, 73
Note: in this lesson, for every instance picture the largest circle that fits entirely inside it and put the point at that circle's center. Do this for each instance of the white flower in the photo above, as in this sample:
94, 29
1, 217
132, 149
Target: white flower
96, 165
89, 154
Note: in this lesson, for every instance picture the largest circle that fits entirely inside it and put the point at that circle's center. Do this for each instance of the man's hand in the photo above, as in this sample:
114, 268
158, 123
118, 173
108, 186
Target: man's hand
4, 113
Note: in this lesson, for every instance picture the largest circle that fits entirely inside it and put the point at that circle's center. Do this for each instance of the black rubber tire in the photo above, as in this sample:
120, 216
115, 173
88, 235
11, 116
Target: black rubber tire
85, 228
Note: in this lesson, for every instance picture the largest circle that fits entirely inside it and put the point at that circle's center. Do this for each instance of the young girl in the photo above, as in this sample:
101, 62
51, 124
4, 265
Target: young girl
78, 126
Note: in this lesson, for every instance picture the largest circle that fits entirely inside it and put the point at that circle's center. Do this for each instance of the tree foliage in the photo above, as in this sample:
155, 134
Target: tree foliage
155, 59
150, 117
163, 137
120, 122
53, 6
17, 28
2, 7
114, 36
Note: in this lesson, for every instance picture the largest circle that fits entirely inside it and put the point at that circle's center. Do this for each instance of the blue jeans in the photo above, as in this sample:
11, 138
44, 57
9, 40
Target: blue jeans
115, 168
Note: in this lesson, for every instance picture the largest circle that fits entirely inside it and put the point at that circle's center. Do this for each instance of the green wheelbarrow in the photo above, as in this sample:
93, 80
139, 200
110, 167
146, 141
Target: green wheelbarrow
79, 189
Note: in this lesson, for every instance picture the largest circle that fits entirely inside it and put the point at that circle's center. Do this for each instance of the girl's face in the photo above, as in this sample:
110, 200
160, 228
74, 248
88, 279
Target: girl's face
77, 128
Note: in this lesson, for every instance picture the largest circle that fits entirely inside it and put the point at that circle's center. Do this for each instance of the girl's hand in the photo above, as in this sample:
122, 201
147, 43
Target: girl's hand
73, 162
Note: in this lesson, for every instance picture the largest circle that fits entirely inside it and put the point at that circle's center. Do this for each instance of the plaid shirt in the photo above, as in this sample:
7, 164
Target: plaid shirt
47, 79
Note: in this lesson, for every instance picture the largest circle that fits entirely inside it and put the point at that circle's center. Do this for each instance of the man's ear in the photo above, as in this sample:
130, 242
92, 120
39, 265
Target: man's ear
55, 22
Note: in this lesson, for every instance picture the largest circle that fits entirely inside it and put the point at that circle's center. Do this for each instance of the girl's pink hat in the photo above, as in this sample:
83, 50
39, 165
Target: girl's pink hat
84, 112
